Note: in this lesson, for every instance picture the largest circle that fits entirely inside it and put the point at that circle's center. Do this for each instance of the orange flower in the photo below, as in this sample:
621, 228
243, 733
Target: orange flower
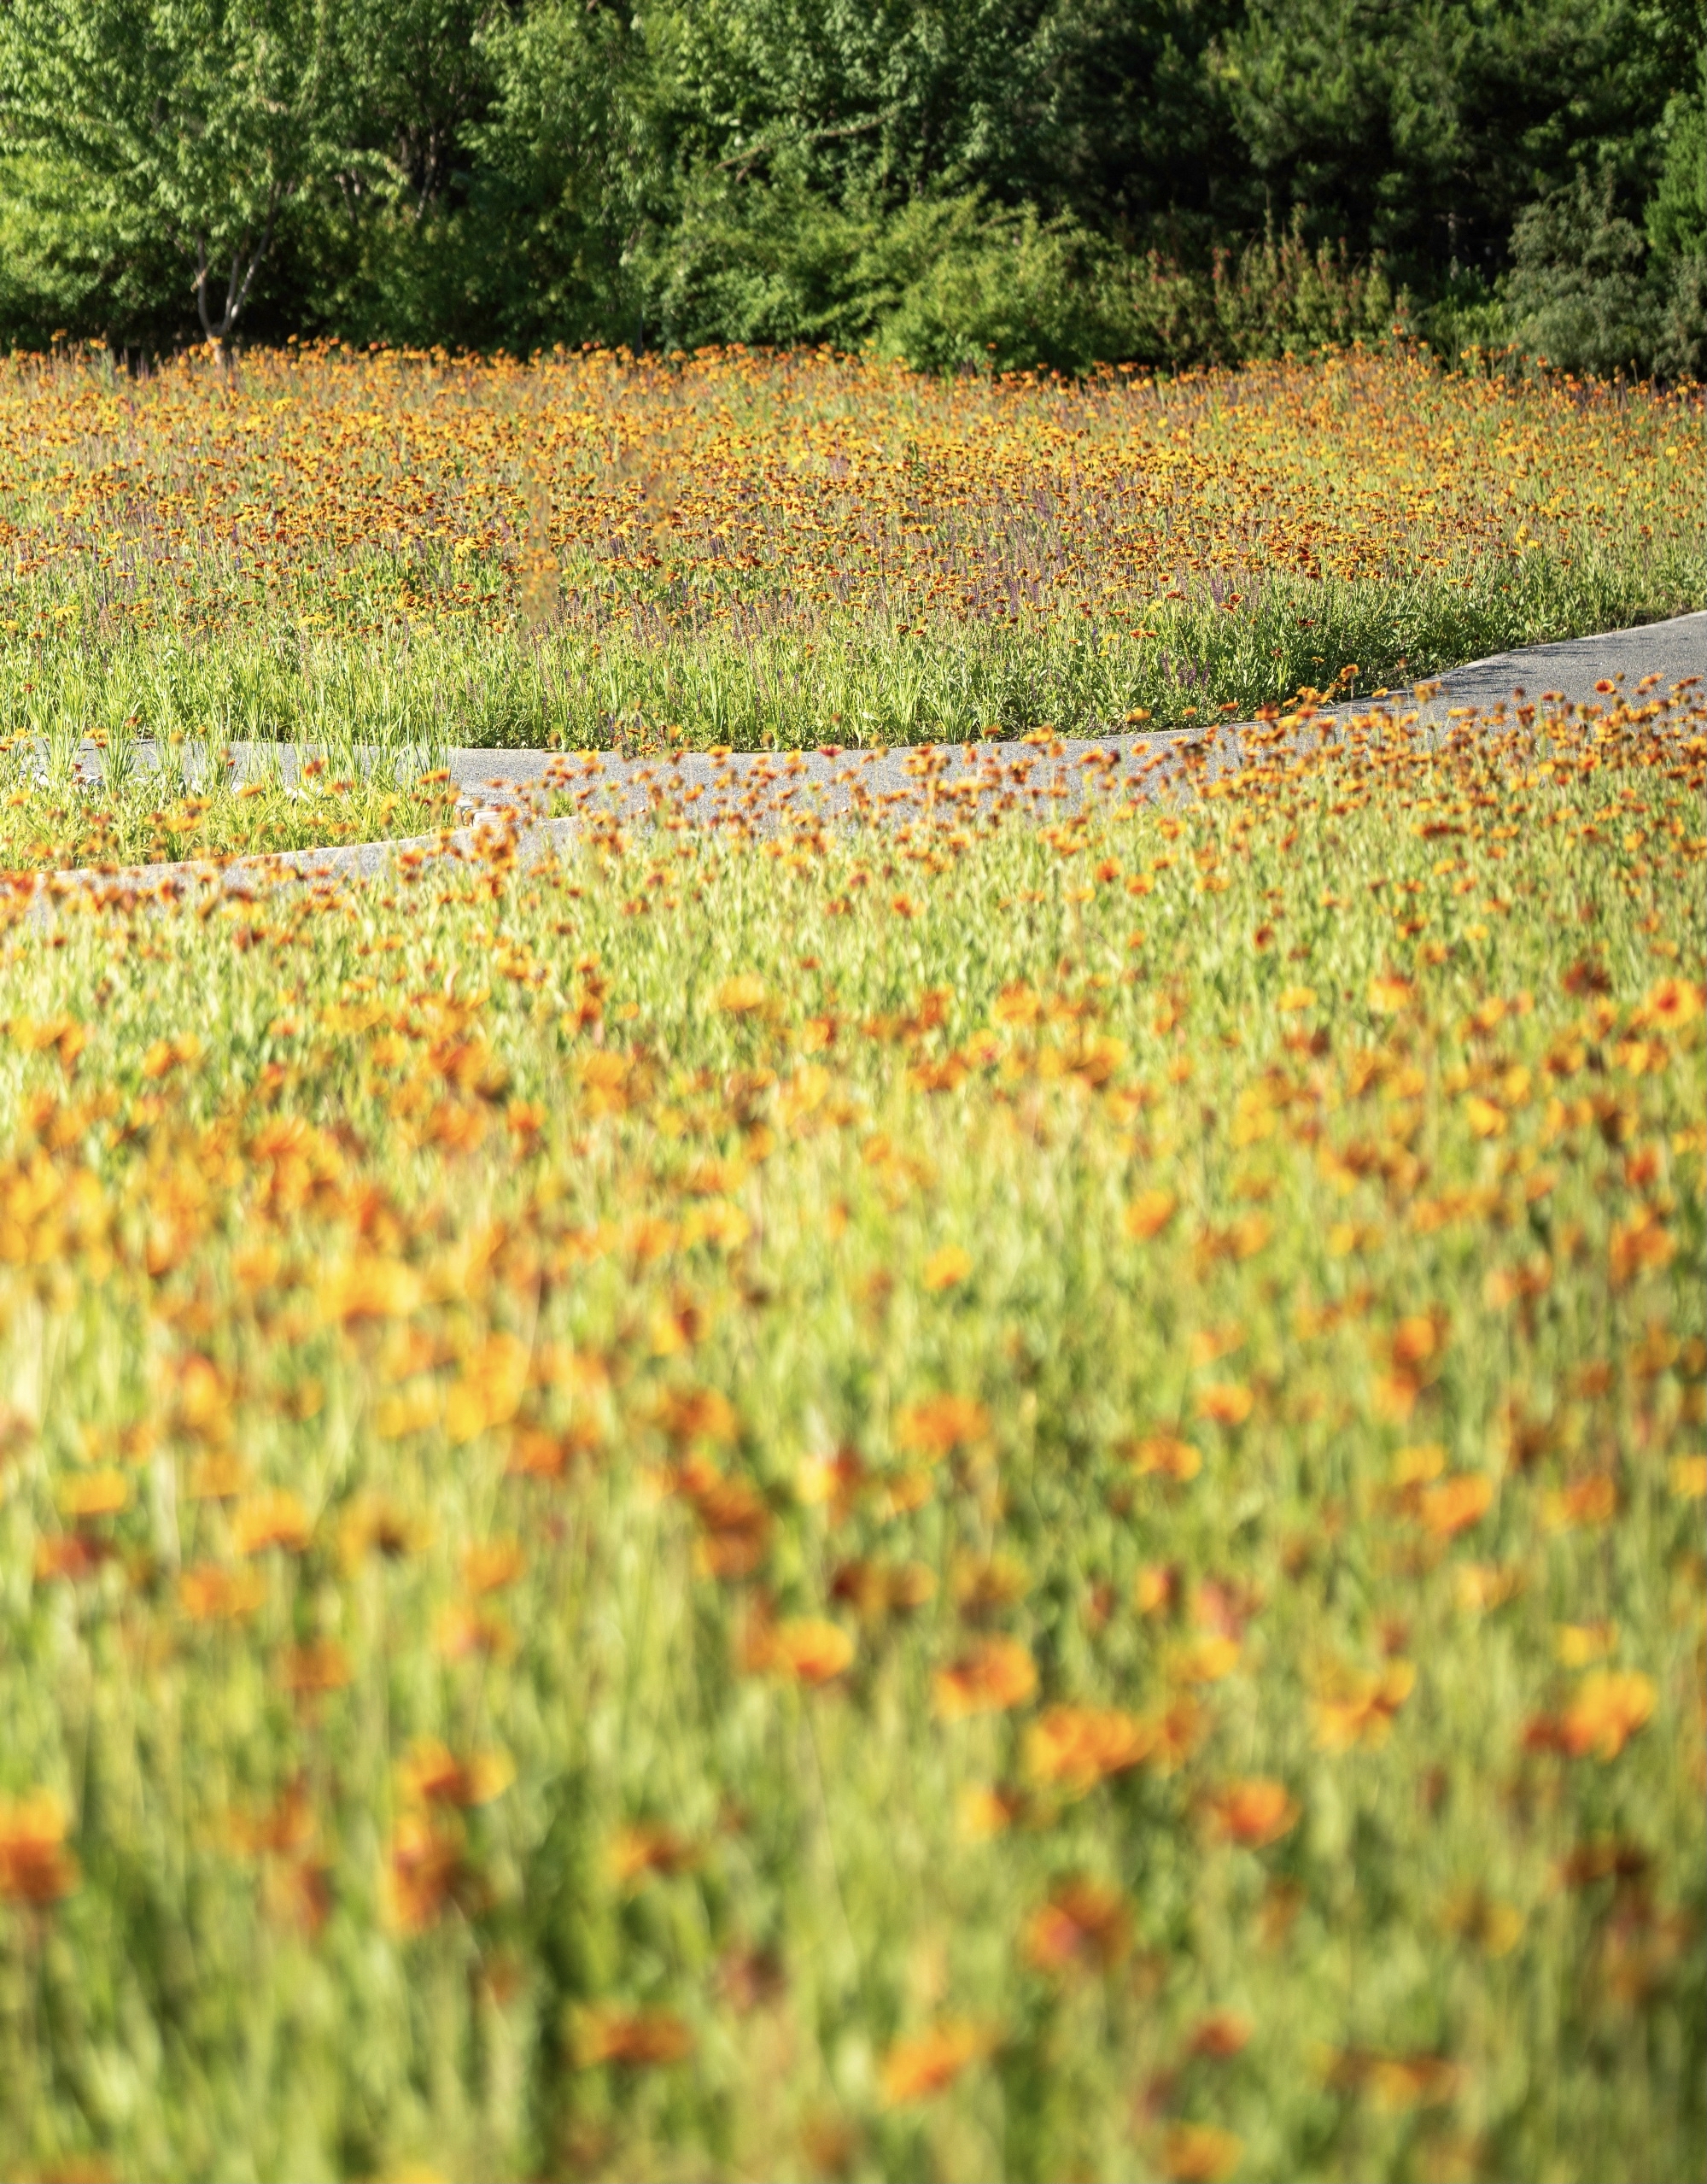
322, 1665
1688, 1476
984, 1584
1074, 1748
1484, 1586
1456, 1503
1164, 1453
276, 1518
1199, 2153
874, 1590
1156, 1588
641, 1850
996, 1674
1149, 1213
936, 1425
928, 2063
94, 1494
1575, 1645
1226, 1402
423, 1871
1205, 1660
1388, 994
1253, 1810
210, 1594
1676, 1002
489, 1565
35, 1867
806, 1649
1591, 1500
640, 2039
1395, 2083
737, 1526
216, 1476
461, 1632
1084, 1923
947, 1267
432, 1774
697, 1414
371, 1523
834, 1480
1220, 2036
1180, 1731
71, 1554
1609, 1707
982, 1813
1641, 1244
1017, 1004
371, 1288
1415, 1466
1357, 1709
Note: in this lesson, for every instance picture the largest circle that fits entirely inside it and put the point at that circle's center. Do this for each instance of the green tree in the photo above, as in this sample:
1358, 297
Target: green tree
188, 124
1423, 130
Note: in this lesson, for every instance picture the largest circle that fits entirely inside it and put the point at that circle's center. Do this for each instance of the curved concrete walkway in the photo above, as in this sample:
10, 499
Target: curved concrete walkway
500, 787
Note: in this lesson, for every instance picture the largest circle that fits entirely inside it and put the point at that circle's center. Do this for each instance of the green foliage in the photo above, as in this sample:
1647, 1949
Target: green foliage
1011, 182
1577, 297
190, 125
1425, 131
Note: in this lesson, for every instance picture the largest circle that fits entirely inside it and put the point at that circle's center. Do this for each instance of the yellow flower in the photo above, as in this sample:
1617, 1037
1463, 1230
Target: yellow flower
948, 1267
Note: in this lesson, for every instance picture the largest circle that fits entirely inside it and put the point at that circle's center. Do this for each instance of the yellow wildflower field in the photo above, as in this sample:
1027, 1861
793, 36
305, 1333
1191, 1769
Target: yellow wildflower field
1015, 1493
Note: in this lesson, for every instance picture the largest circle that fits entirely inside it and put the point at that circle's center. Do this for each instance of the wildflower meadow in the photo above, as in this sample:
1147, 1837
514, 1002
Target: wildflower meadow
758, 552
1013, 1488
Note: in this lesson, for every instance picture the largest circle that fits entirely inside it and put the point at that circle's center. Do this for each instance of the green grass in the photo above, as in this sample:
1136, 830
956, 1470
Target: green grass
509, 689
512, 1309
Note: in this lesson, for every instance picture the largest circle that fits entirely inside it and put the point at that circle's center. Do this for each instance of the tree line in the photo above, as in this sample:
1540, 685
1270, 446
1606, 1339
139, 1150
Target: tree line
1006, 182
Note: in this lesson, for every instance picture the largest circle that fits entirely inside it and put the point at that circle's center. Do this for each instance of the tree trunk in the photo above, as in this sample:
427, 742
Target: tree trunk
246, 262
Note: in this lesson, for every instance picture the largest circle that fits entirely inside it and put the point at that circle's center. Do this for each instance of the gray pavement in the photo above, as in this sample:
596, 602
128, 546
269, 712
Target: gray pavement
1672, 650
765, 791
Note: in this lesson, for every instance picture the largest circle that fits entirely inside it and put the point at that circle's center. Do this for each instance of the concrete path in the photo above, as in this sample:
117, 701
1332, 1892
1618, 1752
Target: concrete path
770, 789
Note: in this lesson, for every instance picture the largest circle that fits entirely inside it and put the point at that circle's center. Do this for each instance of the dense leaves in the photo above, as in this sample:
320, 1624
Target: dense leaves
487, 176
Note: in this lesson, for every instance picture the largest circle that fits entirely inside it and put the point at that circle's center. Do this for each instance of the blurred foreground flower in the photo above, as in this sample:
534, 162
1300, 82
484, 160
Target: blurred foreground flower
994, 1675
1199, 2153
1358, 1709
1254, 1811
35, 1867
806, 1649
945, 1268
1084, 1923
641, 2039
1609, 1707
1395, 2082
938, 1425
1074, 1748
929, 2063
432, 1773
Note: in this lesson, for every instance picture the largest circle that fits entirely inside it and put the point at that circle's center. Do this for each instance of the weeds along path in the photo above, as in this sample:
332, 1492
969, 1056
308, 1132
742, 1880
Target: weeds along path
527, 803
